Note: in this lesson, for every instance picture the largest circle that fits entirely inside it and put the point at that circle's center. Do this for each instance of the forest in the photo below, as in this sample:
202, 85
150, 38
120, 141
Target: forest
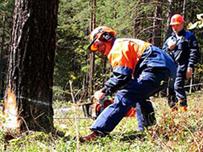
44, 61
147, 20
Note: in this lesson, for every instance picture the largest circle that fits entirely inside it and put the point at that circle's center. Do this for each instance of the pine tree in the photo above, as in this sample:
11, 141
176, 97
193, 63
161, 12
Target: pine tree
28, 100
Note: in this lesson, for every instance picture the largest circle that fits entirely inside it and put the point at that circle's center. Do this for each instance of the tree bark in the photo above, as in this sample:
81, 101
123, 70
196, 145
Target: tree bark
28, 97
156, 34
92, 56
184, 8
1, 57
91, 62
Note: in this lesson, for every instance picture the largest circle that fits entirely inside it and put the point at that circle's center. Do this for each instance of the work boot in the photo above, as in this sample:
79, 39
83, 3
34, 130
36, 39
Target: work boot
183, 108
173, 103
148, 120
91, 137
183, 105
145, 115
180, 108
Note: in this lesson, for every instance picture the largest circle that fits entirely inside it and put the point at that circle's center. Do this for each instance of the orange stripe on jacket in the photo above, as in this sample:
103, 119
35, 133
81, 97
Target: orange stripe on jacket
127, 52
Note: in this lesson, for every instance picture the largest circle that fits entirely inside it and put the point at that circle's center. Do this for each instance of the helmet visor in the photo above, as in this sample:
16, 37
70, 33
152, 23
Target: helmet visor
92, 47
175, 23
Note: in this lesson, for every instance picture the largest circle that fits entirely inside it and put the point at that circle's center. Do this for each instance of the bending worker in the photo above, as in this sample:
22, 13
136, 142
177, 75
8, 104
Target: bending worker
182, 45
150, 66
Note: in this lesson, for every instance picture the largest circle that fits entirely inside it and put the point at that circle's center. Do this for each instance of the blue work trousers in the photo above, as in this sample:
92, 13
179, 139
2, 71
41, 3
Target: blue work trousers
177, 90
179, 84
150, 81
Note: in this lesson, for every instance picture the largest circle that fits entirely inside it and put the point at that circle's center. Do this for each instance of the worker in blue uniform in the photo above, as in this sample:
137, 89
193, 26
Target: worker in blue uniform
182, 45
139, 71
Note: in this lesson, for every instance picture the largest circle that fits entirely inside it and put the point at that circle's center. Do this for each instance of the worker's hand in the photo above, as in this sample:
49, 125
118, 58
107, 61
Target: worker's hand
99, 95
171, 45
189, 73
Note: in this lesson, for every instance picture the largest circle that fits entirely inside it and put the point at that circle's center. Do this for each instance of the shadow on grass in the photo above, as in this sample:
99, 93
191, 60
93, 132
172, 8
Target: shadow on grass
133, 136
125, 137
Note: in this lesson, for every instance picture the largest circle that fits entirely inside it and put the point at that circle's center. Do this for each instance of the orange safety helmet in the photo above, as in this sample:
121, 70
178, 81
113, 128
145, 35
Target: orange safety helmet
102, 33
177, 19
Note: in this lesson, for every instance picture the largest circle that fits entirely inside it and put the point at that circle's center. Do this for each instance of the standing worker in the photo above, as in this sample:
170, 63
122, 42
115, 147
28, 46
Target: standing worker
150, 66
182, 45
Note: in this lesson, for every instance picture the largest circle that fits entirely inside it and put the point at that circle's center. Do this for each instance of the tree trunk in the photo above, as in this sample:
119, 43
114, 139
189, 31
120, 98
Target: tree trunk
104, 79
1, 57
92, 56
28, 97
138, 19
156, 34
184, 8
137, 26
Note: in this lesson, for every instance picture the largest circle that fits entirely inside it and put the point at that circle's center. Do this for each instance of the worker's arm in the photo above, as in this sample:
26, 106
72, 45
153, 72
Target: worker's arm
120, 77
193, 56
123, 58
194, 52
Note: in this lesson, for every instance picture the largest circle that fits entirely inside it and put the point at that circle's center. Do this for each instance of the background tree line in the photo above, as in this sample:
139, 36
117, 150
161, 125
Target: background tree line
143, 19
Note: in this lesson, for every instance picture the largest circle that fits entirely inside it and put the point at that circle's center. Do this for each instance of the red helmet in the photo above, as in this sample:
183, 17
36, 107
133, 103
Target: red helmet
177, 19
102, 33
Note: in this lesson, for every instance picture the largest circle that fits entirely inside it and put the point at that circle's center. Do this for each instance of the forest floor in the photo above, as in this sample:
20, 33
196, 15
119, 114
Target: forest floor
174, 132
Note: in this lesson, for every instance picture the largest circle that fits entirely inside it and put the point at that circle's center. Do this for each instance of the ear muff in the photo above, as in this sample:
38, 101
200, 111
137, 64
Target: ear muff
106, 36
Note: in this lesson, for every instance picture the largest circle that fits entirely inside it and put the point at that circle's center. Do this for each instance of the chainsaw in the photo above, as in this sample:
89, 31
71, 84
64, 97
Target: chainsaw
96, 107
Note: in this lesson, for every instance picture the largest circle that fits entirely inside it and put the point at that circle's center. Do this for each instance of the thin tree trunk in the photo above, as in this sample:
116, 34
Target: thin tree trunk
156, 34
92, 56
90, 74
28, 98
137, 28
184, 7
137, 20
169, 14
104, 70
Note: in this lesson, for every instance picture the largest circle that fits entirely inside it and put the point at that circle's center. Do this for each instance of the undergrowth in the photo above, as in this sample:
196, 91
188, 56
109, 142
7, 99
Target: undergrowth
174, 132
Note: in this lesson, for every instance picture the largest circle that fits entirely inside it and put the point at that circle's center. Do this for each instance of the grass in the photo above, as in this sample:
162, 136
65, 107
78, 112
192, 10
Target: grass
178, 132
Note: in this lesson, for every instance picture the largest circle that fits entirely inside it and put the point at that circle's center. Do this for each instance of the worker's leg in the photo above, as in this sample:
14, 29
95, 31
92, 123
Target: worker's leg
145, 114
111, 116
137, 91
148, 113
172, 100
140, 117
179, 87
180, 93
